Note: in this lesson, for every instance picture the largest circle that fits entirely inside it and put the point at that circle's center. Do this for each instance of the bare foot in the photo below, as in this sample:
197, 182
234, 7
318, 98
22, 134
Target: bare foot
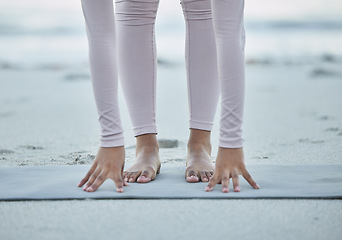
230, 164
147, 164
108, 164
199, 163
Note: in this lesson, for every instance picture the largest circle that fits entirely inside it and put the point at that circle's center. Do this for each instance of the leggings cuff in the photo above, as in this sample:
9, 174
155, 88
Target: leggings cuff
115, 140
144, 130
207, 126
231, 143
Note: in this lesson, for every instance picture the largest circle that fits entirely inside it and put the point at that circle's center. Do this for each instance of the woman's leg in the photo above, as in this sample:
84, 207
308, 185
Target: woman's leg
203, 89
137, 70
100, 25
230, 42
109, 161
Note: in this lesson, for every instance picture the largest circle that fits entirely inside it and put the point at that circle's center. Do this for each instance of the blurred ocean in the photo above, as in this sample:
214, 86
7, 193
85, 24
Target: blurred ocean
40, 33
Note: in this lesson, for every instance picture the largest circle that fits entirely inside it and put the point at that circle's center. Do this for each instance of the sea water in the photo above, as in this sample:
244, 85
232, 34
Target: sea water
38, 32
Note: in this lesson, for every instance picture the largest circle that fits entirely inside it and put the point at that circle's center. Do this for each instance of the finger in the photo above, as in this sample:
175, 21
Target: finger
91, 179
235, 179
204, 177
212, 183
83, 181
250, 180
225, 183
118, 183
123, 173
97, 183
87, 176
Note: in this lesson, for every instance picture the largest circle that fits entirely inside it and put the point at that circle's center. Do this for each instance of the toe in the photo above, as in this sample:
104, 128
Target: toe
134, 177
128, 176
192, 177
204, 177
144, 177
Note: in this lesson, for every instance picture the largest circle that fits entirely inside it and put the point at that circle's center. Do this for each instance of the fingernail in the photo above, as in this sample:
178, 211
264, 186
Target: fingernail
85, 187
237, 189
225, 190
90, 189
207, 189
258, 186
119, 190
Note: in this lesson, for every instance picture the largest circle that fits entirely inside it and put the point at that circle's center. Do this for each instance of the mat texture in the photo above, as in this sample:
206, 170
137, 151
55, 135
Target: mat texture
276, 181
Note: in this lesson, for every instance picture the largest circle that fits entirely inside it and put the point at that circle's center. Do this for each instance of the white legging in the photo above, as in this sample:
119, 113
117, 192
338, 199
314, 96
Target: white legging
214, 60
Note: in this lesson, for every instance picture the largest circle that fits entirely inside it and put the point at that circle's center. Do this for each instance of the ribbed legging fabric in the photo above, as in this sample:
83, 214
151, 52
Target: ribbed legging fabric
125, 49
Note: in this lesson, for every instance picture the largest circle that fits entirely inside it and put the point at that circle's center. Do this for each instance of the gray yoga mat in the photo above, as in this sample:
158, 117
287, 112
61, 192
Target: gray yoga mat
276, 181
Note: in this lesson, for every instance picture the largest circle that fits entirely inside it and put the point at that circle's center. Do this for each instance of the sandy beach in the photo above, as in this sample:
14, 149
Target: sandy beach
293, 115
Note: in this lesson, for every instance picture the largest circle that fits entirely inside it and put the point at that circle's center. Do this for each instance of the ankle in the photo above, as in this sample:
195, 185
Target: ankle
147, 141
199, 139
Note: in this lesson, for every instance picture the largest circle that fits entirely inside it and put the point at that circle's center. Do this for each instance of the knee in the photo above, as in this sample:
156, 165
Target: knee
136, 12
196, 9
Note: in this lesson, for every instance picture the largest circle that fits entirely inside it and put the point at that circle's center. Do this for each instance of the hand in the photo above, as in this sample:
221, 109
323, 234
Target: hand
108, 164
230, 164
